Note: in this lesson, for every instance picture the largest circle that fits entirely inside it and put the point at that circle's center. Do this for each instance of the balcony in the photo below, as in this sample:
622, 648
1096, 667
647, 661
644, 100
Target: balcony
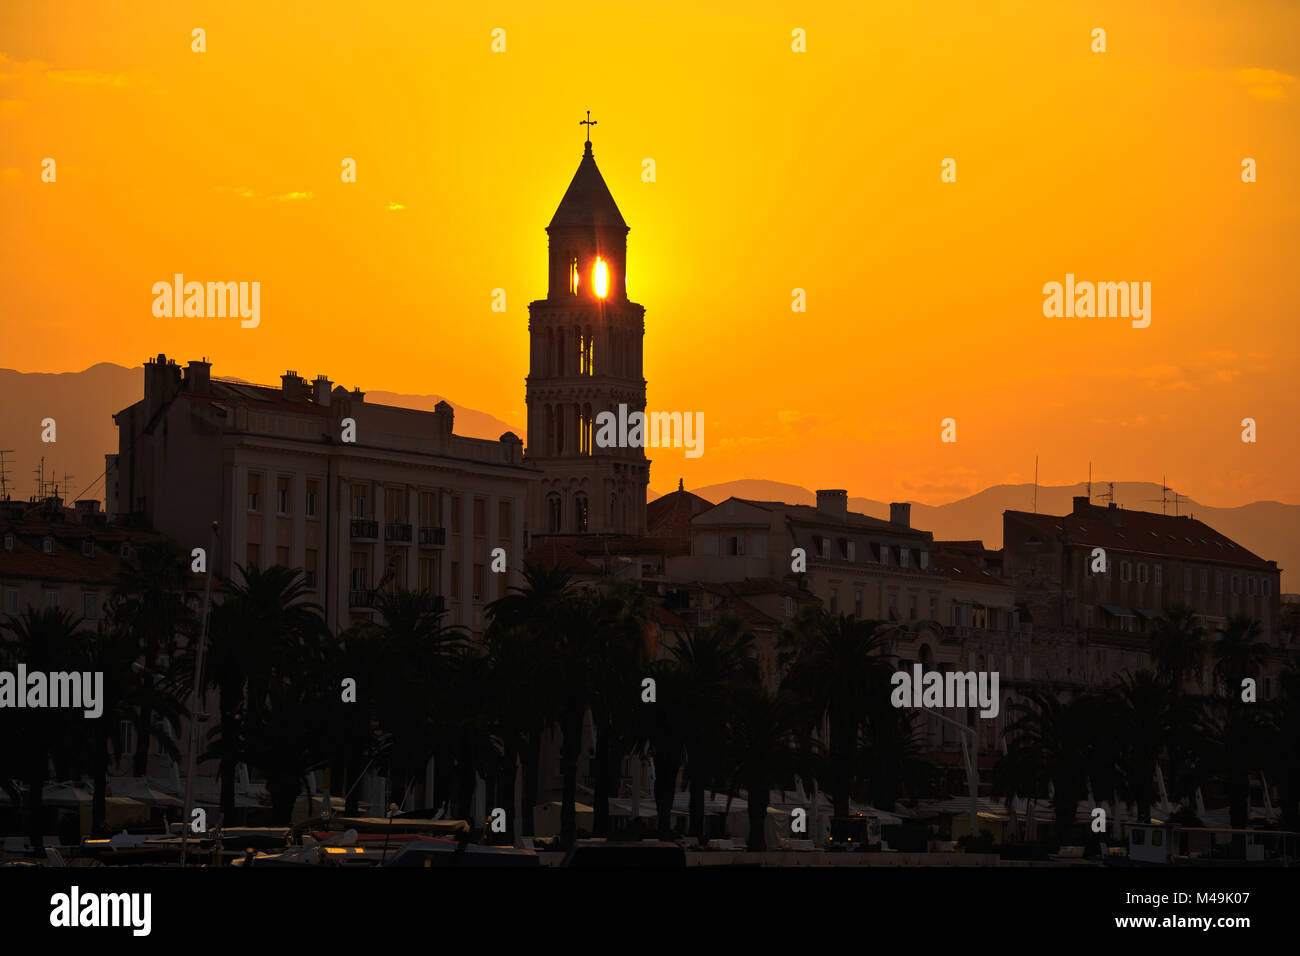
365, 528
362, 598
432, 537
397, 531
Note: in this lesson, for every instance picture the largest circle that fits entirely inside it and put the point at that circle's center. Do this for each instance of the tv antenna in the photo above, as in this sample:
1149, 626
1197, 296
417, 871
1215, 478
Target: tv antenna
4, 474
1109, 493
1164, 499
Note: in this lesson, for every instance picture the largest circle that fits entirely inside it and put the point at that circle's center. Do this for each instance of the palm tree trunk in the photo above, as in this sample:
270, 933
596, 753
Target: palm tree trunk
99, 806
603, 774
569, 750
758, 795
697, 807
143, 732
667, 761
532, 764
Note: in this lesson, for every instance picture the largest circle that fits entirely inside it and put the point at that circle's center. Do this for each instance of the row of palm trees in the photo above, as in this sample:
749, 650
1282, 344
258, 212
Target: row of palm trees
567, 662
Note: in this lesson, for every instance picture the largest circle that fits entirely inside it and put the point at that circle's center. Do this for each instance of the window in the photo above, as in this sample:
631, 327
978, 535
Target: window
455, 514
48, 545
90, 605
1267, 587
1157, 837
359, 580
884, 554
282, 495
925, 560
313, 489
429, 575
787, 605
553, 512
893, 607
455, 579
51, 598
1088, 615
580, 513
857, 603
251, 555
1205, 581
1250, 586
1187, 579
9, 541
505, 519
1142, 574
1125, 571
904, 557
480, 517
359, 501
1139, 837
1218, 582
1236, 584
1155, 577
254, 492
282, 556
11, 600
309, 559
478, 582
835, 600
736, 545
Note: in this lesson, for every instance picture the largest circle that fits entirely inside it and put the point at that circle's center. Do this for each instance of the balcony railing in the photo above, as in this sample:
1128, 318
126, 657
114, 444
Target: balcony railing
432, 537
365, 528
397, 531
362, 598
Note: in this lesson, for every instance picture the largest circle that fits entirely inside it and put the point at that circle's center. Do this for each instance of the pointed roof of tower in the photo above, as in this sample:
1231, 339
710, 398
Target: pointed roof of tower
587, 202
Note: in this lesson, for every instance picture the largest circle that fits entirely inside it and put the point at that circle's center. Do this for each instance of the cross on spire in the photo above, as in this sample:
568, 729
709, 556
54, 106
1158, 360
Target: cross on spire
589, 123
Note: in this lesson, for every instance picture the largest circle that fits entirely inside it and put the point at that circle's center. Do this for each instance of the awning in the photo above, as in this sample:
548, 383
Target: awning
1148, 614
1117, 611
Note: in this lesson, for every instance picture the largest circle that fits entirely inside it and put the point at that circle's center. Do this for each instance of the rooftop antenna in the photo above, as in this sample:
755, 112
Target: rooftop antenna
1090, 481
1165, 492
4, 474
1109, 493
1036, 484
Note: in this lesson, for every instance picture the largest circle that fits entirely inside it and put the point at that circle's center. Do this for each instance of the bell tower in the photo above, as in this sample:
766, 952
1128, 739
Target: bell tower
584, 359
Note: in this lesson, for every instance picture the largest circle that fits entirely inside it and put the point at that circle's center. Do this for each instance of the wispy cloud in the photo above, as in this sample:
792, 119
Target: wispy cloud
1265, 84
395, 206
292, 197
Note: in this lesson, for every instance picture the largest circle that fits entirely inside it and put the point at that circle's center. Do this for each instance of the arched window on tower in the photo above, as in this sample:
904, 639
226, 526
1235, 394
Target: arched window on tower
573, 274
580, 512
587, 429
553, 512
559, 429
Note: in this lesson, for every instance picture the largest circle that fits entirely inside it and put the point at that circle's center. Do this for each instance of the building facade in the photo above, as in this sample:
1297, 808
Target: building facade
363, 497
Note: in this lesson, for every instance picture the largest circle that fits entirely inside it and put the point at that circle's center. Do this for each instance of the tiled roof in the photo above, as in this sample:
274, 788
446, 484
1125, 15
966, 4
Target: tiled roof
1146, 533
551, 553
959, 567
669, 516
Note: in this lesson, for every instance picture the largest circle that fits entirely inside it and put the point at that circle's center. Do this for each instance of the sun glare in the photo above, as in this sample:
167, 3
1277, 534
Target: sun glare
599, 278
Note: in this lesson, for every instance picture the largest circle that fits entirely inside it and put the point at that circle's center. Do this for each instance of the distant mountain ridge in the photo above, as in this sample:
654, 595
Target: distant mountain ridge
1268, 528
82, 405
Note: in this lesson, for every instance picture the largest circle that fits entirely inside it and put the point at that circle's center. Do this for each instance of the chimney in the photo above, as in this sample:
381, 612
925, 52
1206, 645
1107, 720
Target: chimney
162, 379
320, 391
444, 417
292, 387
1115, 515
900, 513
198, 377
833, 501
1082, 505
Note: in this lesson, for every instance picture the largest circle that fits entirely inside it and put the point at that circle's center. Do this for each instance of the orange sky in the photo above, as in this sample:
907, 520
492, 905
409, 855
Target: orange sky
775, 170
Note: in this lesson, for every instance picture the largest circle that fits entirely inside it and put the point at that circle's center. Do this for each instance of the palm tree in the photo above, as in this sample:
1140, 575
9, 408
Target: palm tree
762, 750
47, 640
665, 727
1238, 653
1178, 644
837, 664
548, 607
1053, 742
262, 633
1145, 709
415, 658
618, 667
152, 600
714, 661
